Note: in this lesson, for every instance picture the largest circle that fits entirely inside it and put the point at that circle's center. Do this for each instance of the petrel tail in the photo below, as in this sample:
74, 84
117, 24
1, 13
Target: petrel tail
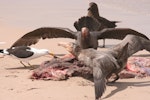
115, 22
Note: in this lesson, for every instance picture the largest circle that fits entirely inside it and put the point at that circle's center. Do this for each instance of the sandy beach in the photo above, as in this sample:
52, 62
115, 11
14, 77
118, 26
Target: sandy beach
18, 19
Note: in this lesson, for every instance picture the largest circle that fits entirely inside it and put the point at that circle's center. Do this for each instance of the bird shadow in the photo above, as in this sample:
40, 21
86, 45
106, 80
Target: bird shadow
123, 85
106, 46
141, 55
22, 67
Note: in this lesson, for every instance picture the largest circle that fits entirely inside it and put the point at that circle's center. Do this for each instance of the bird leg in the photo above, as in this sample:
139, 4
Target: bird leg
30, 64
103, 43
23, 64
116, 78
113, 76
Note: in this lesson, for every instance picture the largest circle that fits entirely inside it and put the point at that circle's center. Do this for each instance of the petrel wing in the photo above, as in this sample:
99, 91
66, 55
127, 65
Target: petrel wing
89, 22
117, 33
47, 32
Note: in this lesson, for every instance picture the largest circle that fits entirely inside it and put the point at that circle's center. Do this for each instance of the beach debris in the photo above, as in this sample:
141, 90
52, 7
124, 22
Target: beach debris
137, 67
61, 69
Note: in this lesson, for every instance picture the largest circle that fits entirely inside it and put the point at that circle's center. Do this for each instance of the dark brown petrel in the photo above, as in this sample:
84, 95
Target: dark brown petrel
85, 38
94, 21
94, 13
104, 64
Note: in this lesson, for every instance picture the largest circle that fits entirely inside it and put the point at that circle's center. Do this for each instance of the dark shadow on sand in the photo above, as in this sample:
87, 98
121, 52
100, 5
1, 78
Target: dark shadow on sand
123, 85
22, 67
141, 55
106, 46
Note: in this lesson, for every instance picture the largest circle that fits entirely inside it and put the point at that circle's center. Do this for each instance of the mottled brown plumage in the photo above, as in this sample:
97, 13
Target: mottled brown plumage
89, 22
46, 32
86, 41
94, 13
104, 64
94, 21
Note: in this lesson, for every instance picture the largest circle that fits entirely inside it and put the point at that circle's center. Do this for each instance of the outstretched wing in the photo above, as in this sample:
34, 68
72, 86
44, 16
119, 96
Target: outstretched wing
47, 32
89, 22
135, 44
117, 33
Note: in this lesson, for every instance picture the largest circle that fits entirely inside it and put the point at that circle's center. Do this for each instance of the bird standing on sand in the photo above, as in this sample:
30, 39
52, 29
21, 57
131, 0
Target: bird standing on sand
105, 63
94, 21
24, 53
85, 38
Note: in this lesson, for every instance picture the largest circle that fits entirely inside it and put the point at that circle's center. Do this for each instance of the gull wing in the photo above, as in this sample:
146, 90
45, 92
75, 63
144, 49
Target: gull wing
21, 51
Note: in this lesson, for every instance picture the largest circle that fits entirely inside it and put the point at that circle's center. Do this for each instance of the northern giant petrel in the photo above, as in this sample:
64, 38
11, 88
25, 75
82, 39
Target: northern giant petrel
94, 21
105, 63
85, 38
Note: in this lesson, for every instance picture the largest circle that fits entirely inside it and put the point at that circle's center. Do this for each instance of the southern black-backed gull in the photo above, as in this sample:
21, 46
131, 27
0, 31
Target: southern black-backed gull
25, 53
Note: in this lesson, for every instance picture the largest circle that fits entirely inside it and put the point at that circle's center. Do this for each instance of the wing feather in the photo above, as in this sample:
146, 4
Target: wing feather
48, 32
135, 44
118, 33
99, 82
89, 22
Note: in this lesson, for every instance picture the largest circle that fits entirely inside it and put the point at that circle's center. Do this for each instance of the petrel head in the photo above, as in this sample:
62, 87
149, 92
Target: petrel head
84, 31
92, 6
71, 47
68, 46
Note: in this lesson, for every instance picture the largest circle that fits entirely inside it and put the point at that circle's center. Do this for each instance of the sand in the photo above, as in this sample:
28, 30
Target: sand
16, 84
14, 78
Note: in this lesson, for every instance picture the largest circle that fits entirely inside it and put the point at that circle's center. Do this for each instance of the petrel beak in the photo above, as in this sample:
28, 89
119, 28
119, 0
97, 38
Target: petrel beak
67, 46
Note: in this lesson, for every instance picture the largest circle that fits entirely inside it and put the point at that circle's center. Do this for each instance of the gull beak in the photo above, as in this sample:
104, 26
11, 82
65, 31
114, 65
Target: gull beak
52, 54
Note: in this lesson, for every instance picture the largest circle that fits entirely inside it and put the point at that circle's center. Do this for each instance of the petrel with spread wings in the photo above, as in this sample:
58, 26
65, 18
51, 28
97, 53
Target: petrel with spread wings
94, 21
85, 38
